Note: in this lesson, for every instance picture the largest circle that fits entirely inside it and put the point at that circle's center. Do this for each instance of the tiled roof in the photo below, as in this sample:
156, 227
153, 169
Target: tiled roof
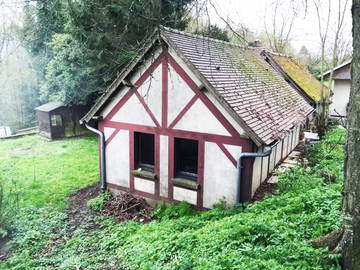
301, 76
240, 76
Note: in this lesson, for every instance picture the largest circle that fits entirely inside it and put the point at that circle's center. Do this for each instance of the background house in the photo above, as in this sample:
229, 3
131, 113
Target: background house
341, 89
58, 121
177, 119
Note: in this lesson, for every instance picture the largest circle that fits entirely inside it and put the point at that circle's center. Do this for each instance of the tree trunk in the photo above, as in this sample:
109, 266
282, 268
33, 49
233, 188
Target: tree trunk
350, 243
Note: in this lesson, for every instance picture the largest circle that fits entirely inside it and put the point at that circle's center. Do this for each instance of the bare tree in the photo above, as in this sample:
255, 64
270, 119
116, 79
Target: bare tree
278, 34
324, 15
342, 6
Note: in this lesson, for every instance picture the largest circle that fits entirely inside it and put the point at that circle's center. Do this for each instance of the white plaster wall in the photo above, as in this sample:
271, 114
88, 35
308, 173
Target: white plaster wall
117, 160
285, 147
219, 181
278, 151
297, 135
179, 94
289, 143
256, 177
164, 163
108, 131
133, 112
294, 138
265, 172
144, 185
272, 159
151, 91
234, 150
340, 99
200, 119
182, 194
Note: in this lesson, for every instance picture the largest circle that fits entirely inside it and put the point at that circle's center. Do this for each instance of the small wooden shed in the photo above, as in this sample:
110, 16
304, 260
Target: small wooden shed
57, 120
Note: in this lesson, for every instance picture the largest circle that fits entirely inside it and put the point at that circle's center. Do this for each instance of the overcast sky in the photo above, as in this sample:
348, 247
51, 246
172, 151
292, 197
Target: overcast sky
252, 13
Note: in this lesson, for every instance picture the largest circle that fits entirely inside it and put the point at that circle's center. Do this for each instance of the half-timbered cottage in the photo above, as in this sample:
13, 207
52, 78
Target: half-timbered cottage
195, 119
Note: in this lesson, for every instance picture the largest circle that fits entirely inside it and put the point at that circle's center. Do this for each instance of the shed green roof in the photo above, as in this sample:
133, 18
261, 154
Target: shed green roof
302, 77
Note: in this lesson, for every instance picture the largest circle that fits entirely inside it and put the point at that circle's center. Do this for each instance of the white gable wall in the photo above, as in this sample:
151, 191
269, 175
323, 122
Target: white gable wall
117, 160
340, 99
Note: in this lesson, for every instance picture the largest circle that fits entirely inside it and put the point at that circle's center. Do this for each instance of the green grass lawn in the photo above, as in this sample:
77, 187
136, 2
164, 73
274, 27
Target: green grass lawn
275, 233
45, 171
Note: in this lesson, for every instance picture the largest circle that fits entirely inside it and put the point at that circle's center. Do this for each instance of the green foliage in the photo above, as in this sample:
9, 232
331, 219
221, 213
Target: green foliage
48, 171
85, 44
275, 233
97, 203
173, 211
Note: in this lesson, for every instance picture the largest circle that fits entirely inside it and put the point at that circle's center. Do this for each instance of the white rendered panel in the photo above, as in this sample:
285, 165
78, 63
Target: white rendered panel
285, 147
144, 185
117, 160
278, 152
179, 94
164, 163
272, 160
200, 119
219, 176
108, 131
182, 194
256, 177
234, 150
264, 174
340, 99
133, 112
151, 91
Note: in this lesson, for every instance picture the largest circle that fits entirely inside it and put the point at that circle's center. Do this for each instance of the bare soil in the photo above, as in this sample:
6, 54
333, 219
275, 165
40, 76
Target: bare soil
265, 188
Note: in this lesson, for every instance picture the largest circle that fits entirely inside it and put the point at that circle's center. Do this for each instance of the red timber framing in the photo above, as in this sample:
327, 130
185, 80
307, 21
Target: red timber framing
162, 127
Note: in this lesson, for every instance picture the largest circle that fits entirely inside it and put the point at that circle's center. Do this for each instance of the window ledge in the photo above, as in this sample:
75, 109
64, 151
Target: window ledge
186, 183
144, 174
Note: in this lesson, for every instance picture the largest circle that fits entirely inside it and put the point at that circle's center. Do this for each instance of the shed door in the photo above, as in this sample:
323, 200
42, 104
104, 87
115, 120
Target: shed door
57, 126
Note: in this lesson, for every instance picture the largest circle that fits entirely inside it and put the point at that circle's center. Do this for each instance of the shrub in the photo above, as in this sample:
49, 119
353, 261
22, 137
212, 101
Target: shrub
173, 211
9, 204
97, 203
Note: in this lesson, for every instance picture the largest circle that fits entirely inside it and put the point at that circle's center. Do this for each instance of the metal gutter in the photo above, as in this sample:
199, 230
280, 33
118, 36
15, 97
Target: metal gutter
239, 165
102, 153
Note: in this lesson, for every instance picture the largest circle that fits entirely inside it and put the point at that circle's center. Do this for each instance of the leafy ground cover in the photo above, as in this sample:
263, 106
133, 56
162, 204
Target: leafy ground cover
274, 233
45, 172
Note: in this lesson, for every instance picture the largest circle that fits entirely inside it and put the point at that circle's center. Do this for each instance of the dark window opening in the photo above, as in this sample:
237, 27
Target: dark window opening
144, 151
186, 158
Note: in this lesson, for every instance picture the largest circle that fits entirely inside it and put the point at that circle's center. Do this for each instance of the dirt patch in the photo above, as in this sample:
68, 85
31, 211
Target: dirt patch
121, 207
127, 207
77, 211
265, 188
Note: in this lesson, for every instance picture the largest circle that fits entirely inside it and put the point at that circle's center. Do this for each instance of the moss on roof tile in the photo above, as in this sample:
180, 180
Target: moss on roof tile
302, 77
